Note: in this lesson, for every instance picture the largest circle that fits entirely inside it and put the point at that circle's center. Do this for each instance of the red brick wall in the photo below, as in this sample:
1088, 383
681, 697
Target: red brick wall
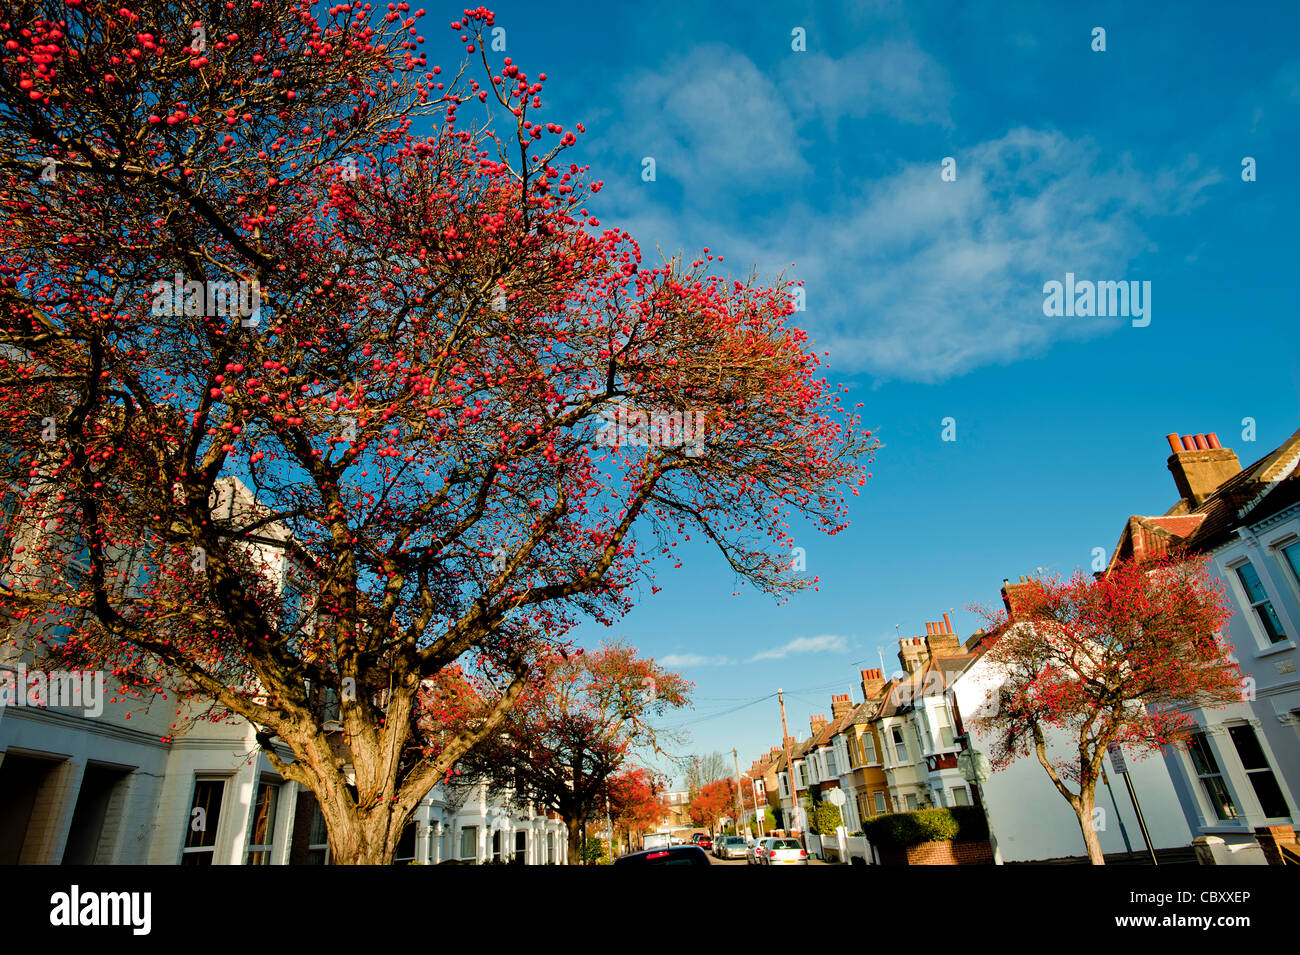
940, 853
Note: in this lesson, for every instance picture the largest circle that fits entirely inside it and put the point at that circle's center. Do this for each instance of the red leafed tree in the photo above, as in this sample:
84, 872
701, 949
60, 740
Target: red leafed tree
637, 800
1114, 660
715, 800
263, 243
575, 727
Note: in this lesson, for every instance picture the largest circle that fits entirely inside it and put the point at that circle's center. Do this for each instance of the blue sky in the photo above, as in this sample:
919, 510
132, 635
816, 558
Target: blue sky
1123, 164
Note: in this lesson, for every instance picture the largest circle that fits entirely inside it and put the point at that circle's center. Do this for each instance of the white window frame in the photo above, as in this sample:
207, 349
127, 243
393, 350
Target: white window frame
460, 846
267, 848
1250, 608
211, 850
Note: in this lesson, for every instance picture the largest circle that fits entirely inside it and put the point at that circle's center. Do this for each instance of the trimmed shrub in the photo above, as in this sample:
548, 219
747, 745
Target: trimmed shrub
826, 819
898, 830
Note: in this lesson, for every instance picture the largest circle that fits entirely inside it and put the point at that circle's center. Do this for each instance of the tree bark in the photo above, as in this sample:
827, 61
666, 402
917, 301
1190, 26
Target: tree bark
1083, 808
575, 840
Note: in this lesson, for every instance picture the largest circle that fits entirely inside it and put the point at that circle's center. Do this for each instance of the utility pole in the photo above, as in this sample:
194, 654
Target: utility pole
789, 766
740, 803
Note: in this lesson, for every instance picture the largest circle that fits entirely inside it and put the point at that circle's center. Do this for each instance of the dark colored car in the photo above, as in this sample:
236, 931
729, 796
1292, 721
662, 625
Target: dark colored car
703, 840
669, 855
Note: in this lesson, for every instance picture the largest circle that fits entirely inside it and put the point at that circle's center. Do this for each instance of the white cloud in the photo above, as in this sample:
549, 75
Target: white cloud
827, 643
919, 279
710, 117
692, 660
892, 79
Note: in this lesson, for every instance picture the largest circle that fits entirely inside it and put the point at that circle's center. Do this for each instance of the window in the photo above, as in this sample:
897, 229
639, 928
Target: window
469, 843
959, 796
1260, 603
881, 806
1198, 747
1261, 775
405, 851
910, 802
261, 834
550, 848
1292, 555
869, 747
831, 769
900, 748
864, 807
204, 818
943, 726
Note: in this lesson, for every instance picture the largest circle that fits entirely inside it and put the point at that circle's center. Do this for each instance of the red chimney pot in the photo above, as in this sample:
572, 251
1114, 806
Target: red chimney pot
1213, 439
1201, 444
1189, 443
1174, 446
947, 624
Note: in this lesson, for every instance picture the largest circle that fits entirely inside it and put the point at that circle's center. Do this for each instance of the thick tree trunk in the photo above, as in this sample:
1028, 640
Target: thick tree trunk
356, 839
1083, 808
575, 840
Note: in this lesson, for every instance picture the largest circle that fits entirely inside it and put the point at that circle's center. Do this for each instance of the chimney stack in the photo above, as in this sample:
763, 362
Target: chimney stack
817, 723
910, 655
943, 642
1199, 465
1010, 598
873, 681
841, 704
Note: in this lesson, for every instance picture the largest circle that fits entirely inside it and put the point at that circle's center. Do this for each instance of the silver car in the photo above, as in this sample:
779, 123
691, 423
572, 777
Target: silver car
754, 856
731, 847
785, 852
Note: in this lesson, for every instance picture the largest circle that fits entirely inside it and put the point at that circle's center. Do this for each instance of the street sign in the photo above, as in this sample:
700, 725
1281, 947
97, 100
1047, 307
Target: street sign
1117, 758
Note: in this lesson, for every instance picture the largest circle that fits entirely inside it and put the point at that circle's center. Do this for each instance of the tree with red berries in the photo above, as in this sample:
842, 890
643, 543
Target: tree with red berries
637, 801
260, 247
1116, 660
575, 727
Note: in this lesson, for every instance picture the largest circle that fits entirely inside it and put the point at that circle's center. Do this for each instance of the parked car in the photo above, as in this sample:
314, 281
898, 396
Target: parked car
785, 852
756, 849
703, 840
670, 855
732, 847
678, 841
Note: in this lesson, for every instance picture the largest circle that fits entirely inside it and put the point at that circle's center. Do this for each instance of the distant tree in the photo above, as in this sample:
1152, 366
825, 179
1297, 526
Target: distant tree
715, 800
575, 727
1109, 660
637, 801
702, 770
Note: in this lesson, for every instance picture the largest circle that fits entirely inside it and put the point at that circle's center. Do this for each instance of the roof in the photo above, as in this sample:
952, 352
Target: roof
1252, 494
902, 694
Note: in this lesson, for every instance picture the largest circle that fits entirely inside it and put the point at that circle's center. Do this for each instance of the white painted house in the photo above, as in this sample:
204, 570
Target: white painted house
1239, 772
1031, 821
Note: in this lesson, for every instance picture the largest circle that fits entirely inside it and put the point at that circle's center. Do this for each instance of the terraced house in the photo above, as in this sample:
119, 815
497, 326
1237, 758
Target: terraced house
1238, 774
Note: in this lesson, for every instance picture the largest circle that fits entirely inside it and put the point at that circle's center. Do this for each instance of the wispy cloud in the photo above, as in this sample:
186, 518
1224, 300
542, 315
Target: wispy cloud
692, 660
914, 278
827, 643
